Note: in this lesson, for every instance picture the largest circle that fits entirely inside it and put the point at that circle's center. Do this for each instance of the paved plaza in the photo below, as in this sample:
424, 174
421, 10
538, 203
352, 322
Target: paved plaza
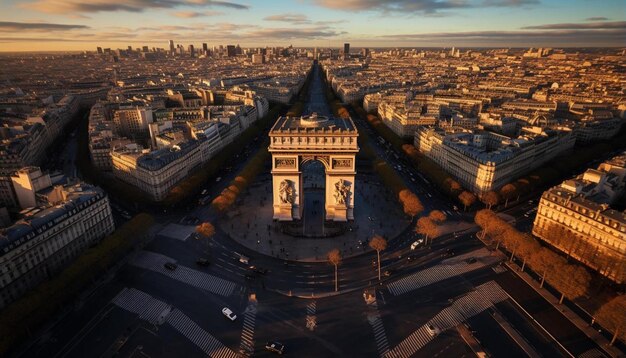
376, 212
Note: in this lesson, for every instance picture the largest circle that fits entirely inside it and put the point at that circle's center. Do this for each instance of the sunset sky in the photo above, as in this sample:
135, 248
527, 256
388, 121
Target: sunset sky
43, 25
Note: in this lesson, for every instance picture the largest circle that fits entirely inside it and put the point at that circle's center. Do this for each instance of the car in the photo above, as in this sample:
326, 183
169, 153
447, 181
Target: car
203, 262
229, 314
275, 347
456, 208
389, 272
250, 277
412, 257
218, 179
471, 260
432, 330
170, 266
204, 192
416, 244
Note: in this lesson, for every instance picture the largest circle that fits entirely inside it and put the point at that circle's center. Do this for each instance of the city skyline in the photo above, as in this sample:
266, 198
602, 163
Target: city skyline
72, 25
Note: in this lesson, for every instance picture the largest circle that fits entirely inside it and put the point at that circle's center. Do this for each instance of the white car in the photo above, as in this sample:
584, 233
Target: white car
416, 244
229, 314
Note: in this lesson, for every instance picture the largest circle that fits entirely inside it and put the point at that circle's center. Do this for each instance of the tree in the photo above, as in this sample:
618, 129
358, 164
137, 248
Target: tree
468, 199
544, 262
411, 204
334, 258
437, 216
508, 192
378, 243
523, 187
427, 227
529, 247
490, 199
482, 219
571, 280
453, 186
612, 316
207, 230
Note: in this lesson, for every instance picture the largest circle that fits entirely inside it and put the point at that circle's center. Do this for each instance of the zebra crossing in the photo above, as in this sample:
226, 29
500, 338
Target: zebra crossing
154, 262
198, 336
374, 319
144, 305
431, 275
158, 312
247, 334
471, 304
311, 320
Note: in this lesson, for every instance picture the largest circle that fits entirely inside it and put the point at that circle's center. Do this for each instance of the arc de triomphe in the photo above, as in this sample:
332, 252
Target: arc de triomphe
296, 140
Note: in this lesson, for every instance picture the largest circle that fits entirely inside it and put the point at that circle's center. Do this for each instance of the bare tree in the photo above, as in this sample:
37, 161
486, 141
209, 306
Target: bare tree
508, 192
206, 230
379, 244
612, 316
468, 199
334, 258
490, 199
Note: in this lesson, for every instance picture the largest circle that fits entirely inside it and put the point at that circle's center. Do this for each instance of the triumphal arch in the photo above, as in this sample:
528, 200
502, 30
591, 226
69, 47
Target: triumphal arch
297, 140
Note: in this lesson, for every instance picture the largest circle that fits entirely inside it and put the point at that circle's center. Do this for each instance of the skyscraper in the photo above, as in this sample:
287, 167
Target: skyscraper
346, 51
230, 50
205, 48
172, 47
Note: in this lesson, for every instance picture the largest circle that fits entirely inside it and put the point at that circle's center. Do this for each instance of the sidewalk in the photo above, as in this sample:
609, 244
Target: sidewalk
581, 324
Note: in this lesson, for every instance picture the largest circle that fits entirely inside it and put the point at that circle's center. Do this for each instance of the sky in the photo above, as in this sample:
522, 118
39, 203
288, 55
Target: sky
69, 25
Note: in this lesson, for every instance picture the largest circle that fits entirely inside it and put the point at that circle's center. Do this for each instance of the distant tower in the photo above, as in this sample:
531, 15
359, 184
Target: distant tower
346, 51
205, 48
172, 50
100, 50
191, 51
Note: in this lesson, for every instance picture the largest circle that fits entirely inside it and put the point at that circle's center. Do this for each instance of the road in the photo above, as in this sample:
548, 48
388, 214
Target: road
148, 310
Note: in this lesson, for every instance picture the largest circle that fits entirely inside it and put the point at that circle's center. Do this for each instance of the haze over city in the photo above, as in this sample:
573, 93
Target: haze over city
62, 25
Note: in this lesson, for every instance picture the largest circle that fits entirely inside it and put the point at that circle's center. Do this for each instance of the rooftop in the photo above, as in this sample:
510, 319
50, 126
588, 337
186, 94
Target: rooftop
313, 123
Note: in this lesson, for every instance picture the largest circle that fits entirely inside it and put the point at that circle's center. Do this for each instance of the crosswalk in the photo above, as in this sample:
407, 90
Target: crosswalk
198, 336
144, 305
373, 318
158, 312
431, 275
247, 334
311, 319
471, 304
154, 262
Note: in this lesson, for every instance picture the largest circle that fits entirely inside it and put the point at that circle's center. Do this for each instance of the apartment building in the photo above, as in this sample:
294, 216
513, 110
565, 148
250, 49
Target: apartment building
576, 218
482, 161
49, 237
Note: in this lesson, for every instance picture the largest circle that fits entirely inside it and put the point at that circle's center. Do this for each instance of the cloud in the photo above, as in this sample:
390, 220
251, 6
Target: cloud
597, 18
292, 18
194, 14
7, 26
428, 7
293, 33
586, 25
512, 38
92, 6
509, 3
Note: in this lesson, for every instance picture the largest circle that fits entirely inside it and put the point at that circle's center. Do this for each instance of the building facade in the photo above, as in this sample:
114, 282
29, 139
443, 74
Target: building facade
576, 218
49, 237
